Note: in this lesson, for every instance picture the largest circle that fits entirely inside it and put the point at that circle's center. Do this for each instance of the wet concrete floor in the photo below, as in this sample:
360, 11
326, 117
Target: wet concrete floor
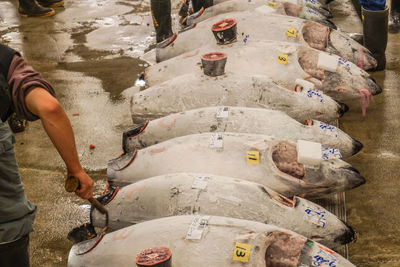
89, 51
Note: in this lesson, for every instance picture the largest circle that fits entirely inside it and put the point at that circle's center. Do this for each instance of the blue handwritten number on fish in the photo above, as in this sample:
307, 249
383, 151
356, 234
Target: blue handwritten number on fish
311, 93
320, 215
245, 38
328, 127
311, 1
312, 11
323, 259
344, 63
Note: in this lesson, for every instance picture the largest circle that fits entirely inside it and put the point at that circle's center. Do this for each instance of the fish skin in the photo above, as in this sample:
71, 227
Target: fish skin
193, 153
215, 248
240, 120
196, 90
274, 27
261, 58
173, 194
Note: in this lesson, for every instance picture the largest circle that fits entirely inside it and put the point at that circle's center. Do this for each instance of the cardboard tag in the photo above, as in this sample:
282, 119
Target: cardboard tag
282, 59
271, 4
222, 112
217, 140
330, 153
197, 227
291, 32
200, 182
253, 157
241, 252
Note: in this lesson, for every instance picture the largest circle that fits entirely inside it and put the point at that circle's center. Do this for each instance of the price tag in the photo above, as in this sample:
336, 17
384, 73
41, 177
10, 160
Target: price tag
282, 58
253, 157
200, 182
330, 153
222, 112
241, 252
217, 140
271, 4
291, 32
197, 227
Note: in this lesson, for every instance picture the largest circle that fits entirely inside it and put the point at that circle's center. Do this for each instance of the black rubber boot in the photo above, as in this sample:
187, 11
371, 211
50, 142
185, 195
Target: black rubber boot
375, 29
198, 4
30, 8
51, 3
357, 7
394, 19
161, 13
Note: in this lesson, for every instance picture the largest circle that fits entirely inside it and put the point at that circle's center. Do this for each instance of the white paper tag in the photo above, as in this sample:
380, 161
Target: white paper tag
222, 112
200, 182
315, 215
197, 227
140, 82
217, 140
330, 153
330, 129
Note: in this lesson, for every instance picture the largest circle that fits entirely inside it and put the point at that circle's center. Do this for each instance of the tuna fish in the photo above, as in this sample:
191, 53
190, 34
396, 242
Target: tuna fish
192, 91
254, 27
283, 62
188, 193
258, 158
272, 7
199, 241
239, 120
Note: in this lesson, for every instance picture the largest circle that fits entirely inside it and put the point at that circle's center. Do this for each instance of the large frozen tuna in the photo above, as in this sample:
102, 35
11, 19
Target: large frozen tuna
239, 120
188, 193
195, 90
199, 241
283, 62
272, 7
254, 27
252, 157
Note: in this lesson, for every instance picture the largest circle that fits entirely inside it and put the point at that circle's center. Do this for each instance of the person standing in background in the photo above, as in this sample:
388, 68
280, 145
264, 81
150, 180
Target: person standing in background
40, 8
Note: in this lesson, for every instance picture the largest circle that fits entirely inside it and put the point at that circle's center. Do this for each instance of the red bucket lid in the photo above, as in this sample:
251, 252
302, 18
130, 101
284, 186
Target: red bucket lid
153, 256
214, 56
223, 25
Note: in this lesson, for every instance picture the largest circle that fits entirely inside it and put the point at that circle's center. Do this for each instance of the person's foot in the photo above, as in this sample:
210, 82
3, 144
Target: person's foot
30, 8
51, 3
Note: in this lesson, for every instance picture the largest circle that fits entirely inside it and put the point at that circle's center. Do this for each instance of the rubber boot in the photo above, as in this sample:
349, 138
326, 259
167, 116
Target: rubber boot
375, 28
198, 4
394, 19
51, 3
161, 13
30, 8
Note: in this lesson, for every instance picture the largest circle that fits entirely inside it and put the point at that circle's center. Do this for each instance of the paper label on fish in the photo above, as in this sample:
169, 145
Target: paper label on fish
330, 153
217, 140
315, 94
197, 227
222, 112
330, 129
271, 4
291, 32
241, 252
325, 257
200, 182
282, 59
315, 215
253, 157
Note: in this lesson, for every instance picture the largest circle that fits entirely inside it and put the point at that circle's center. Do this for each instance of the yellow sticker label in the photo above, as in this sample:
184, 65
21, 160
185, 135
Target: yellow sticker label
282, 58
241, 252
271, 4
253, 157
291, 32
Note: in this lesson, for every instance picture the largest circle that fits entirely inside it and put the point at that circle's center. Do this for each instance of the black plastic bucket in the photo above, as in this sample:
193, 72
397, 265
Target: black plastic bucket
225, 31
214, 63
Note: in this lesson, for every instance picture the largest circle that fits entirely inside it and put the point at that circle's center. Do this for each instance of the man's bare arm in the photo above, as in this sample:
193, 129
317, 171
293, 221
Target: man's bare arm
58, 128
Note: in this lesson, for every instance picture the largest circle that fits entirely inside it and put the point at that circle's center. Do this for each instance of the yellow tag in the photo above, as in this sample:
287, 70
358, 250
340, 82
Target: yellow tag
282, 58
291, 32
253, 157
271, 4
241, 252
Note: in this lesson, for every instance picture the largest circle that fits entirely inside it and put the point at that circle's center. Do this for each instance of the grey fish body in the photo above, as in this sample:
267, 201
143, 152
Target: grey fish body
239, 120
266, 245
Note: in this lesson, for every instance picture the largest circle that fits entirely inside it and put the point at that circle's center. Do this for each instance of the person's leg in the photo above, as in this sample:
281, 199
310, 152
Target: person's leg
198, 4
51, 3
161, 13
30, 8
15, 253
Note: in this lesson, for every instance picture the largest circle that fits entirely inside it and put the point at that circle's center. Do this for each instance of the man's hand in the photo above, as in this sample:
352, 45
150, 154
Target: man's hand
86, 184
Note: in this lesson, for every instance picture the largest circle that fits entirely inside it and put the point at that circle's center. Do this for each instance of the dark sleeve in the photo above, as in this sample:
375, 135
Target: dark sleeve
22, 79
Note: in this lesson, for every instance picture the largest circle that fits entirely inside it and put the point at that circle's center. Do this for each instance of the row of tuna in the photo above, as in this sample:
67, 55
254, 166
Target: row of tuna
218, 168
